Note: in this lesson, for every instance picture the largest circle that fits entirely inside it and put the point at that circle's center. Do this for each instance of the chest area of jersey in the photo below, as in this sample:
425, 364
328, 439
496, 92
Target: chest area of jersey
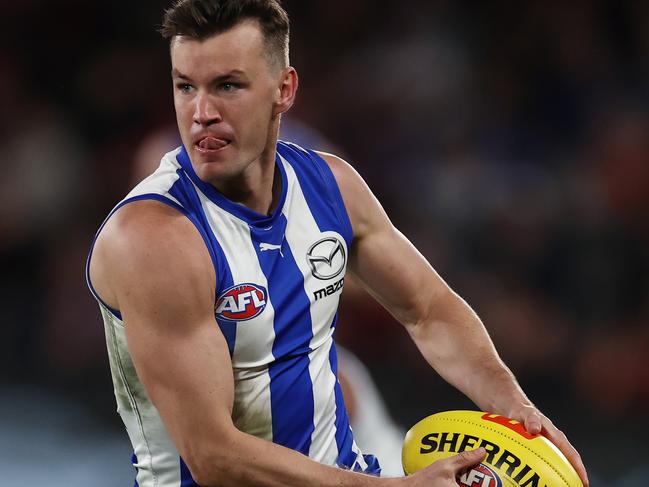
279, 280
296, 272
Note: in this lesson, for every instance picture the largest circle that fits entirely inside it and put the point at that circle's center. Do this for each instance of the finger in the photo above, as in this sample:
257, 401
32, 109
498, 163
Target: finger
557, 437
467, 459
533, 422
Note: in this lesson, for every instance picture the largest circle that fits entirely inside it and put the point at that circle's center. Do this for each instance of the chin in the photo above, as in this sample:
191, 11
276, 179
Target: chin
212, 171
217, 172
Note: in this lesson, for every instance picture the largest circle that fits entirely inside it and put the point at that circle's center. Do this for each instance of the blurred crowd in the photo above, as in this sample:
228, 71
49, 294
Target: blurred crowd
509, 141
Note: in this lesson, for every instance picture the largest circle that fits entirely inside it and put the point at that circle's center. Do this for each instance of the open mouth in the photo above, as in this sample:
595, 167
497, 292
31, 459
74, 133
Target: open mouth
211, 144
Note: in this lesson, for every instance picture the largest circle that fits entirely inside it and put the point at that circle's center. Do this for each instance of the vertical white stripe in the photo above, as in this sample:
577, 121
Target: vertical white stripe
301, 232
157, 457
254, 339
252, 411
158, 461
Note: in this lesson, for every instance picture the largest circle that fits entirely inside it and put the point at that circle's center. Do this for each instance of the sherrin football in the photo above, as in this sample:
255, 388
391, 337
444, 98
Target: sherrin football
514, 457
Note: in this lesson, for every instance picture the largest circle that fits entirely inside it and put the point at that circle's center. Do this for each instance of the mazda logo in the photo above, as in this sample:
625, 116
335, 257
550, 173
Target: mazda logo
327, 258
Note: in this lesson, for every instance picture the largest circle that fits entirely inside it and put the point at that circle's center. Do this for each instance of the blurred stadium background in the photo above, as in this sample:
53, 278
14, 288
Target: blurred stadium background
508, 140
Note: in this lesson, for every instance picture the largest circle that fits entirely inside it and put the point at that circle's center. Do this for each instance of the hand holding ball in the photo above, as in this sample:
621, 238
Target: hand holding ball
514, 457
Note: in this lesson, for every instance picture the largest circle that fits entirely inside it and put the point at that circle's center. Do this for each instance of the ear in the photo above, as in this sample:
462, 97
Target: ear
286, 91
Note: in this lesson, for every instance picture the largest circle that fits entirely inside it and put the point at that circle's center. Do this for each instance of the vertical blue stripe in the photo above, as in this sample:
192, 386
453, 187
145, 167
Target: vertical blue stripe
185, 192
293, 327
344, 439
134, 462
320, 190
291, 389
291, 397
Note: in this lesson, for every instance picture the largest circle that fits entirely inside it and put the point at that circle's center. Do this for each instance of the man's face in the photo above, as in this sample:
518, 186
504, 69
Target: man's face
224, 94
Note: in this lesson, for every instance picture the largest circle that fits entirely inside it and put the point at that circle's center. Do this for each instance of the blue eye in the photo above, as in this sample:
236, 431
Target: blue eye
229, 87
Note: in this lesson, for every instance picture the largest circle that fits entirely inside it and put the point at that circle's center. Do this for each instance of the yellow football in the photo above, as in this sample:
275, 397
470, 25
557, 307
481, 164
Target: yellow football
514, 457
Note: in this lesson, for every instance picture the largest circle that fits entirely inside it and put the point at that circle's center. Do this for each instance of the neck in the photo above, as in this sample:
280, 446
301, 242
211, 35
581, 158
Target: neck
258, 188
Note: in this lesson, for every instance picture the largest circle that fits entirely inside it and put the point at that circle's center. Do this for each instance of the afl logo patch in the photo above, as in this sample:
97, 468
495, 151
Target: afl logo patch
327, 258
480, 476
241, 302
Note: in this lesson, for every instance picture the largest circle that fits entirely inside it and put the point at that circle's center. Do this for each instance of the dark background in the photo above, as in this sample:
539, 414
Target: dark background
508, 140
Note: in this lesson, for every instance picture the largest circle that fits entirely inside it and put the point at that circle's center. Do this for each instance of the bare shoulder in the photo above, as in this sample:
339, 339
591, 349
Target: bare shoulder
344, 173
144, 244
364, 210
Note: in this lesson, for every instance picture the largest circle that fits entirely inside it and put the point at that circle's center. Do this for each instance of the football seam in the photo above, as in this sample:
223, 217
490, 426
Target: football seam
515, 441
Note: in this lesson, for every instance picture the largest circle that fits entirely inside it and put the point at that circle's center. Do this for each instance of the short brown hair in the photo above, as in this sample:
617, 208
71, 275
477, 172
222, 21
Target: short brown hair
201, 19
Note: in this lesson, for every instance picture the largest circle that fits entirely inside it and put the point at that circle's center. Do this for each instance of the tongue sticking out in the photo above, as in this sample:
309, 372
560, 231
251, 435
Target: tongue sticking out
212, 143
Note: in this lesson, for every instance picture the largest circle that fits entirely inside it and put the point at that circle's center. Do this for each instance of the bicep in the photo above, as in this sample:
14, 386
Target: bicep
383, 260
395, 273
187, 373
164, 284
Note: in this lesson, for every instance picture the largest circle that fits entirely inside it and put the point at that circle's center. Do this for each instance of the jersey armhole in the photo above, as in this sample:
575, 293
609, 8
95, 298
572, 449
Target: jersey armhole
148, 196
333, 190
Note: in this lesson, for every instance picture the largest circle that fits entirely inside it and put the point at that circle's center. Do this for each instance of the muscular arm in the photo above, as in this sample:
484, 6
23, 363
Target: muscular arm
151, 263
446, 330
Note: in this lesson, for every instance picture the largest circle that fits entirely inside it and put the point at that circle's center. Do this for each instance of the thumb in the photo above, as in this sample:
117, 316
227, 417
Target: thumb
468, 459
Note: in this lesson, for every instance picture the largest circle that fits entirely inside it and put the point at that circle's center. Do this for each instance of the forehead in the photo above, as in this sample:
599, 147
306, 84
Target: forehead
241, 47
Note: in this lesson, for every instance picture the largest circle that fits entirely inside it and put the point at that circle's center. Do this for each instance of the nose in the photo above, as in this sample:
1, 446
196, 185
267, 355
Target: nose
205, 110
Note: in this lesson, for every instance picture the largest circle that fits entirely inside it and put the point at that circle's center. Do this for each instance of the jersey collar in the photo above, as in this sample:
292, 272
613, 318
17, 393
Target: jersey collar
240, 211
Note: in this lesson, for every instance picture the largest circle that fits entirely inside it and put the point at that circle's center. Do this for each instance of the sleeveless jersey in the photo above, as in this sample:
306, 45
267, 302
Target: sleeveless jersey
279, 280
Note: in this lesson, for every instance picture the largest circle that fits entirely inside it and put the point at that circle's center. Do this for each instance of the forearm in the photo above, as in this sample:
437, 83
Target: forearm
244, 460
456, 344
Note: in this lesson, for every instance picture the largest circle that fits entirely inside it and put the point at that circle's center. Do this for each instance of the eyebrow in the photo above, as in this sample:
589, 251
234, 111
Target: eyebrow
230, 74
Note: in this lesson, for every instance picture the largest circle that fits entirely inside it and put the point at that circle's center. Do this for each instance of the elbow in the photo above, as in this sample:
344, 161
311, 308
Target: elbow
420, 316
205, 473
431, 314
211, 465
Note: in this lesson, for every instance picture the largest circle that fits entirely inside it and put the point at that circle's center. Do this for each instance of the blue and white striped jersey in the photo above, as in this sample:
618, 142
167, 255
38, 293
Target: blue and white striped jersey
279, 280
